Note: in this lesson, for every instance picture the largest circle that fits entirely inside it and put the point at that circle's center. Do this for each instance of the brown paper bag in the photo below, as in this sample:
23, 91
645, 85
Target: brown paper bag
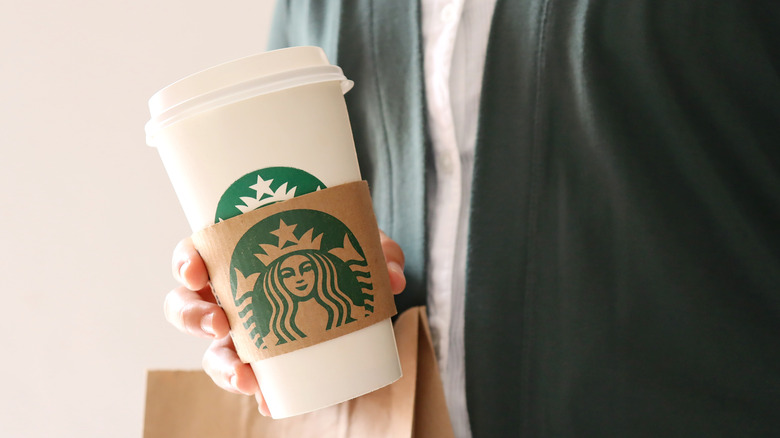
186, 404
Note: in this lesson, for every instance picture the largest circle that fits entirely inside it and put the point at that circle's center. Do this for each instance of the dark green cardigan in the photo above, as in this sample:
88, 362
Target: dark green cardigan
624, 246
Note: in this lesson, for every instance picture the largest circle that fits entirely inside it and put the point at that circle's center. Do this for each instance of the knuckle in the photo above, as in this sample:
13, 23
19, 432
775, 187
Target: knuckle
217, 368
182, 253
206, 362
169, 306
188, 316
177, 258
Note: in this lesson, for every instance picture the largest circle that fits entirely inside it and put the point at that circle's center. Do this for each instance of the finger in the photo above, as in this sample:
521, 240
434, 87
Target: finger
394, 256
392, 250
262, 406
188, 267
190, 313
397, 277
222, 364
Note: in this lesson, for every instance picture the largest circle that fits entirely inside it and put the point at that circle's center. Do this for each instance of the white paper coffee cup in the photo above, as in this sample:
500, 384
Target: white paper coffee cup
275, 116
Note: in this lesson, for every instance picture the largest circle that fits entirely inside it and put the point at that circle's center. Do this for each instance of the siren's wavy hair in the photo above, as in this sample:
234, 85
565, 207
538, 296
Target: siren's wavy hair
284, 303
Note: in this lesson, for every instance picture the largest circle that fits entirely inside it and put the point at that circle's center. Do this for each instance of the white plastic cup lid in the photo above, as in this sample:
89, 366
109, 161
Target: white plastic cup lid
240, 79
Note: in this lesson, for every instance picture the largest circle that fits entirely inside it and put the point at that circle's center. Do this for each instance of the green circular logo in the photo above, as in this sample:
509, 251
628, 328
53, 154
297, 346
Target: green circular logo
298, 272
265, 187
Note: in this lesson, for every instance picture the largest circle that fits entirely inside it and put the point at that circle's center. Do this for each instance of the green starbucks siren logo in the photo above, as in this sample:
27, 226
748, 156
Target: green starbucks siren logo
296, 273
265, 187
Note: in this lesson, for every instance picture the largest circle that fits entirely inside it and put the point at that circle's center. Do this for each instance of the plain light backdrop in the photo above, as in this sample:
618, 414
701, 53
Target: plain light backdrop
89, 218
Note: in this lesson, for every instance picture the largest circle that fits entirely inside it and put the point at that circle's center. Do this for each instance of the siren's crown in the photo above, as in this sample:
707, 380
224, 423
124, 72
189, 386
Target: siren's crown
288, 243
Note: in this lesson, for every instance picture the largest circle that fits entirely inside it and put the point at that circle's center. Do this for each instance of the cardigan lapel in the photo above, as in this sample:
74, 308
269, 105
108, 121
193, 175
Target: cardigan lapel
498, 305
503, 196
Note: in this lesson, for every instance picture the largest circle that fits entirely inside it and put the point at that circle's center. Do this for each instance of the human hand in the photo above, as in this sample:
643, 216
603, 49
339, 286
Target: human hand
192, 308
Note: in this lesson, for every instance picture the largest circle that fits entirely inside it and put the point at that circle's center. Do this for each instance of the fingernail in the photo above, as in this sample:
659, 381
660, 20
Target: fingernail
234, 381
207, 325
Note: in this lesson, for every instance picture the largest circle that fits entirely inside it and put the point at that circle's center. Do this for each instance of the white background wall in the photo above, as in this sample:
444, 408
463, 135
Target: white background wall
88, 218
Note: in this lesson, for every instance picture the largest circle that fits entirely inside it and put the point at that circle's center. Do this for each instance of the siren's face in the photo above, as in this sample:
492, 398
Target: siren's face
297, 274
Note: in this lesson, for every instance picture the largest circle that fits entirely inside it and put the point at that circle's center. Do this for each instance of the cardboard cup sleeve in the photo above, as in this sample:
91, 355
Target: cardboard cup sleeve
299, 272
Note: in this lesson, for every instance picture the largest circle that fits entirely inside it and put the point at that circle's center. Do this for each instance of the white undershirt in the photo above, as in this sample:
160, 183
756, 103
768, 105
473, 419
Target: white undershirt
455, 35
